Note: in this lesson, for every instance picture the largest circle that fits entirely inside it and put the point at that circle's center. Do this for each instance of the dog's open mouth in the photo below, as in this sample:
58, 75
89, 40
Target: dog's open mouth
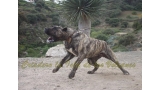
50, 39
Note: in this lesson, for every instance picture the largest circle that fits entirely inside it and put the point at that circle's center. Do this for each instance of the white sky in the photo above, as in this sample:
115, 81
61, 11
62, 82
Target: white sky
55, 0
51, 0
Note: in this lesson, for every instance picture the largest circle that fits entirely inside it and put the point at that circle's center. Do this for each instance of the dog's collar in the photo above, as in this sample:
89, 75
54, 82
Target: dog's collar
70, 37
69, 40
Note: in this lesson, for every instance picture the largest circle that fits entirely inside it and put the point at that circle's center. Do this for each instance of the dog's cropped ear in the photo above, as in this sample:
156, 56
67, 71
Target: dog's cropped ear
64, 29
53, 25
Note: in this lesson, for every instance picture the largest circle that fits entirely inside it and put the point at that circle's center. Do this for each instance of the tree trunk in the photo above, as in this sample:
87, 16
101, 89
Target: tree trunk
85, 26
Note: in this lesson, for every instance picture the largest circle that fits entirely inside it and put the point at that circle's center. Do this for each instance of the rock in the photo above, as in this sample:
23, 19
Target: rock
121, 33
57, 51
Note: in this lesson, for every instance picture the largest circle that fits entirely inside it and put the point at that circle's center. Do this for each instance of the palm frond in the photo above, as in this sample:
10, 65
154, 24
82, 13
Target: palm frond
82, 9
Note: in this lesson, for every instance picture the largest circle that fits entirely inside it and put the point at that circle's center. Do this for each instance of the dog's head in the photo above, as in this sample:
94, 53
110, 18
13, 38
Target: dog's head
57, 33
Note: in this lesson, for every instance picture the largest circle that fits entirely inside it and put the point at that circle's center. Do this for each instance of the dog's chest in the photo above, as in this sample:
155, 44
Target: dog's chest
72, 51
70, 48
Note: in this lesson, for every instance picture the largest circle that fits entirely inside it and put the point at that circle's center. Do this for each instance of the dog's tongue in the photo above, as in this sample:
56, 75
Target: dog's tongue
50, 38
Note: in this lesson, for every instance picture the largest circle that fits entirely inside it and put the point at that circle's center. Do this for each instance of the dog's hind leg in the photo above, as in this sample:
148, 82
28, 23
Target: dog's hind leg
110, 55
68, 57
93, 61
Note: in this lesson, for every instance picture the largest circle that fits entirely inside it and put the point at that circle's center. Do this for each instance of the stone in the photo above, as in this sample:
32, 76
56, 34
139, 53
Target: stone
57, 51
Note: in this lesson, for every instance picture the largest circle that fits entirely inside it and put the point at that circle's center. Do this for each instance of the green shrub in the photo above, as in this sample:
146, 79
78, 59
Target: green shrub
38, 9
96, 23
129, 17
33, 11
40, 3
114, 13
102, 37
28, 9
134, 13
35, 49
21, 18
110, 31
47, 8
95, 32
107, 20
53, 15
55, 20
45, 49
21, 3
137, 25
31, 52
41, 17
34, 52
21, 48
114, 22
126, 7
124, 24
32, 18
138, 6
127, 39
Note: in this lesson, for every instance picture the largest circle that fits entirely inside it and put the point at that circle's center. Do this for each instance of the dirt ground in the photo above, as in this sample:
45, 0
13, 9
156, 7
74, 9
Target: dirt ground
36, 74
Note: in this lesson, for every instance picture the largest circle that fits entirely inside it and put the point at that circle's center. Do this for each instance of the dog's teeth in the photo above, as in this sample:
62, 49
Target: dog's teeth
48, 41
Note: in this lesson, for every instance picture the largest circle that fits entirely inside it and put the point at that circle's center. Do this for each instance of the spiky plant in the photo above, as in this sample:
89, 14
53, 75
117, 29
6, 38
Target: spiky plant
82, 11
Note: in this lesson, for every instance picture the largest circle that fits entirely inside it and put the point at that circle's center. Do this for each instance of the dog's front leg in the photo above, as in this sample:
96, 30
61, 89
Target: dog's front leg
75, 67
68, 57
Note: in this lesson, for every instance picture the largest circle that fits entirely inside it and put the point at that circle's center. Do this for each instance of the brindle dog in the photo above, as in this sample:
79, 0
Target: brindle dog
79, 44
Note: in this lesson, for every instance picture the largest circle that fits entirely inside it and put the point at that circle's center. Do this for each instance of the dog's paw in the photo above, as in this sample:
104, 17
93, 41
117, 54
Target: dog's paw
54, 70
71, 75
126, 73
90, 72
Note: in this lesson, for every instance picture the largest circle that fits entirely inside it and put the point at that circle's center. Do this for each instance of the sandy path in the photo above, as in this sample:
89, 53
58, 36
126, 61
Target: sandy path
107, 76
